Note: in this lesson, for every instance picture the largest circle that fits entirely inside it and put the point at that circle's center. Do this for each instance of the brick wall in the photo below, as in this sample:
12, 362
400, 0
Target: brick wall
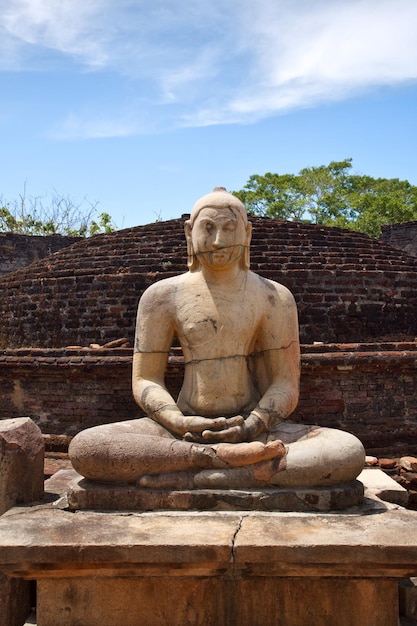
367, 389
348, 287
401, 236
17, 251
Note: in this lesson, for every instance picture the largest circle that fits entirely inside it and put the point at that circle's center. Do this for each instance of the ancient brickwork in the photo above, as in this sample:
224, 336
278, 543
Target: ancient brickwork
17, 251
367, 389
401, 236
348, 287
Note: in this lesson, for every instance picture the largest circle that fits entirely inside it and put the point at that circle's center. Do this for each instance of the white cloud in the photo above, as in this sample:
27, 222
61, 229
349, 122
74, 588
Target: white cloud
213, 61
326, 51
67, 26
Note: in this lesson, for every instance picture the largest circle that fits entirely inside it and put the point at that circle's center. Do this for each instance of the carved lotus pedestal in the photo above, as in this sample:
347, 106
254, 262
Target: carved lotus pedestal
215, 567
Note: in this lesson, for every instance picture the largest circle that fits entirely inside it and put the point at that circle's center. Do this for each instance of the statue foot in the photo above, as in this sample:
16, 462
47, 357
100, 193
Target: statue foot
249, 453
225, 455
167, 480
256, 475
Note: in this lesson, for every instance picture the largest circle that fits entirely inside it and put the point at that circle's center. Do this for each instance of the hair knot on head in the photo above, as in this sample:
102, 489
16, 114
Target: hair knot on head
219, 198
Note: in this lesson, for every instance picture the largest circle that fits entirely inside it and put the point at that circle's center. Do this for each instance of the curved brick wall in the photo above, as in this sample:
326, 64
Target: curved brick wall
17, 251
402, 236
348, 287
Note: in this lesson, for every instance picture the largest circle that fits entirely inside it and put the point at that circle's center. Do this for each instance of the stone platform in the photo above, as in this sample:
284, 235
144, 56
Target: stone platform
87, 495
220, 568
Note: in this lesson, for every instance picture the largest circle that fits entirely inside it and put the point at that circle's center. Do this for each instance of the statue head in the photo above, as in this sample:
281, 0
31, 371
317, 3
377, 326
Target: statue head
222, 207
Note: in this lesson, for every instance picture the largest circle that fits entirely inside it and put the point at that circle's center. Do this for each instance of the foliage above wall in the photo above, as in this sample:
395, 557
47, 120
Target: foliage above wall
333, 196
57, 215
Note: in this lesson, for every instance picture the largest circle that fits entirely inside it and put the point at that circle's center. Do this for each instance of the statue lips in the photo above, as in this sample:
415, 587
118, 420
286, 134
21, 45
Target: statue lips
223, 255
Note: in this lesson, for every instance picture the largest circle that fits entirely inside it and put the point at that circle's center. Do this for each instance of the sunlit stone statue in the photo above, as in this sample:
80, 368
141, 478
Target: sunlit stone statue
239, 336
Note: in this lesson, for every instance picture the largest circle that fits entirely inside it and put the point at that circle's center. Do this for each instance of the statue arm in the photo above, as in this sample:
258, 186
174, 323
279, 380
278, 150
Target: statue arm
154, 334
149, 389
153, 340
280, 353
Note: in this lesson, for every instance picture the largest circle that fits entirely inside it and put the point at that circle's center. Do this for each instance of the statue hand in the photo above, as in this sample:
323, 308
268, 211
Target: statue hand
195, 425
235, 430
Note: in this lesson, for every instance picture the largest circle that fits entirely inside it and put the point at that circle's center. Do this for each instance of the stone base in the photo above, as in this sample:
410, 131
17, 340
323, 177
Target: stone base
223, 568
87, 495
217, 601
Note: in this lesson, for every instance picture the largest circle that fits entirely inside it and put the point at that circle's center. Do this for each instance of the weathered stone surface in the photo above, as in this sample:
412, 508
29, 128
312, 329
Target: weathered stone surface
362, 542
387, 463
21, 480
383, 486
21, 462
52, 542
187, 601
14, 601
408, 597
171, 569
84, 494
409, 463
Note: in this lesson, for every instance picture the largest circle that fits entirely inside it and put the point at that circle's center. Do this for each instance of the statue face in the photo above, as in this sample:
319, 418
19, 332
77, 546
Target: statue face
219, 237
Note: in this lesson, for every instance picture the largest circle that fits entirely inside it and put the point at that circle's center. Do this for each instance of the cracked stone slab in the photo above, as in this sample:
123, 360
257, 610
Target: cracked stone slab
51, 542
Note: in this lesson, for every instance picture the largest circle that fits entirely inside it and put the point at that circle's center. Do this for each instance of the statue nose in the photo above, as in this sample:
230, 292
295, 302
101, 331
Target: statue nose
218, 242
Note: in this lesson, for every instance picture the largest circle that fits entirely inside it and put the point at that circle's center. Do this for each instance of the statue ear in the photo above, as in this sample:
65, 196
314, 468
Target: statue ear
187, 229
245, 262
248, 233
192, 260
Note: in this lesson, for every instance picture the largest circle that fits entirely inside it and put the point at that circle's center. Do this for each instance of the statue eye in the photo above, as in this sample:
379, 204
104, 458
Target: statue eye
209, 227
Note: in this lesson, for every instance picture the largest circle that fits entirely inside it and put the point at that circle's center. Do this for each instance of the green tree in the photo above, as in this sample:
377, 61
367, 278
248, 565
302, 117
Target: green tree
60, 215
331, 195
377, 201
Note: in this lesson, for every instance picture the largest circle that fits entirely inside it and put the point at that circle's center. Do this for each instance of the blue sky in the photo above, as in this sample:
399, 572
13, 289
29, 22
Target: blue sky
145, 105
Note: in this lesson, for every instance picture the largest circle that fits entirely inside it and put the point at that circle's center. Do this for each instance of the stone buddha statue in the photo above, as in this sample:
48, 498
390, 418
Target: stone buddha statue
228, 428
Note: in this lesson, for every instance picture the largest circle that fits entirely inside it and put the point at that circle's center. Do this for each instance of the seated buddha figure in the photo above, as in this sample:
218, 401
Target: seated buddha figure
229, 426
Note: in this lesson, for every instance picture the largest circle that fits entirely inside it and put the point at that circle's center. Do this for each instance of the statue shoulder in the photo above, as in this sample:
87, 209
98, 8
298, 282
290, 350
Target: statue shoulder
273, 292
165, 285
161, 292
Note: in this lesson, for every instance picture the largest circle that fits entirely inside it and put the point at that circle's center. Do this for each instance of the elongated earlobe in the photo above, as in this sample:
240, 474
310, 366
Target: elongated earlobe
245, 262
192, 261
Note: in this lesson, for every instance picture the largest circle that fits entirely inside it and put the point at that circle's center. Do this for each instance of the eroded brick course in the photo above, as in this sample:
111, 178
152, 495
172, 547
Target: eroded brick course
348, 287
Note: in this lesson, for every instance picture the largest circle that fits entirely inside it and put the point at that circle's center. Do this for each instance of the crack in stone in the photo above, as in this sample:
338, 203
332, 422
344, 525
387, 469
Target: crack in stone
240, 356
232, 356
232, 553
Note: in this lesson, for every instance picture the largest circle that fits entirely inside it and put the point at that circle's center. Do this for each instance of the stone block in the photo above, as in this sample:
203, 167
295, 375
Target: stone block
87, 495
409, 463
21, 480
223, 568
408, 597
21, 462
378, 483
222, 601
14, 601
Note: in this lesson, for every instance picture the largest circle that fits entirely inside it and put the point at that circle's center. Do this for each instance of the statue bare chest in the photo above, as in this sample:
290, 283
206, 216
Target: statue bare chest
216, 326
